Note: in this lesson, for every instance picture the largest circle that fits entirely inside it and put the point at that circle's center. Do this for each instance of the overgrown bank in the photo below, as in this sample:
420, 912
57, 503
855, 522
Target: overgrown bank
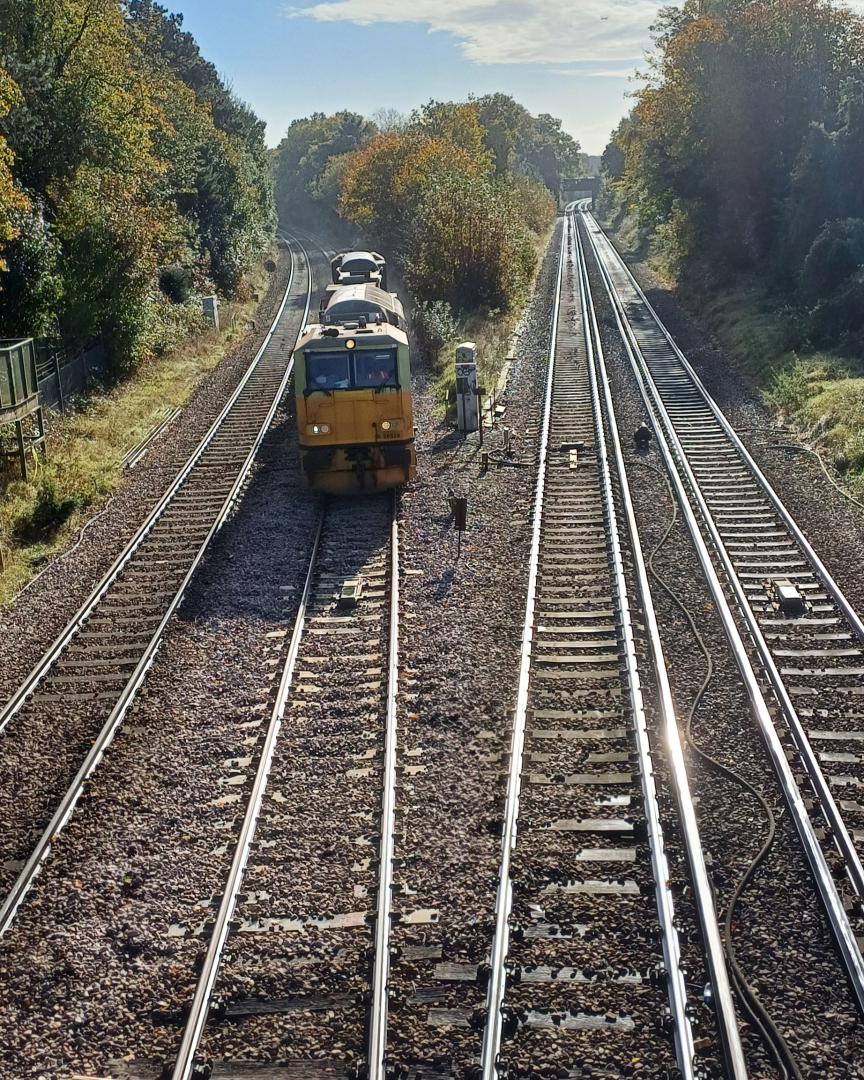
133, 182
492, 332
819, 393
86, 447
739, 168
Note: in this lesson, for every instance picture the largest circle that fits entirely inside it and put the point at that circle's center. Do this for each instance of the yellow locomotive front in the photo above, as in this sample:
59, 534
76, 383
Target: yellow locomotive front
355, 417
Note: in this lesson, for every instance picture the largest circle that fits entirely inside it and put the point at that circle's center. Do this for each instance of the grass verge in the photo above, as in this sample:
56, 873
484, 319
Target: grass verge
820, 395
87, 445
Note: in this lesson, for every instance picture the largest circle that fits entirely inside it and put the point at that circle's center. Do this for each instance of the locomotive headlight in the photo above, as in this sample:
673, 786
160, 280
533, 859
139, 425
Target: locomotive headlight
391, 425
350, 343
318, 429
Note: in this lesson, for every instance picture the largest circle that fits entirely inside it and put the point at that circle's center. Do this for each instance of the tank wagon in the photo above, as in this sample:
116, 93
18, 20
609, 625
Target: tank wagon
357, 267
352, 381
350, 303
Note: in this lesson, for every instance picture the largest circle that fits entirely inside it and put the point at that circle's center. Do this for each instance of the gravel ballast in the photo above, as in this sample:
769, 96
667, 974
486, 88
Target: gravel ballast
794, 970
102, 959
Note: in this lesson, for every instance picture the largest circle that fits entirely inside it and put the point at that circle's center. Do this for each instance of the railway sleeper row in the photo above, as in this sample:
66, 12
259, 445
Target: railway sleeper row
587, 982
804, 640
71, 703
293, 979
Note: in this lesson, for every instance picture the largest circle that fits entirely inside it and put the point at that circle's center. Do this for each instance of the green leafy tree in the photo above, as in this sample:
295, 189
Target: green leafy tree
433, 192
303, 157
13, 203
129, 155
747, 135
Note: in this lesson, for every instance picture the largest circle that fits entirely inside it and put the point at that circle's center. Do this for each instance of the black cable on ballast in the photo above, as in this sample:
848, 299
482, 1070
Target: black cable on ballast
809, 450
750, 1000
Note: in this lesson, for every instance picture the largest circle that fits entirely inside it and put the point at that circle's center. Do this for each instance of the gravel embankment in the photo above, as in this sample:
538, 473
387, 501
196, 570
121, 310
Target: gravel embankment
462, 622
91, 969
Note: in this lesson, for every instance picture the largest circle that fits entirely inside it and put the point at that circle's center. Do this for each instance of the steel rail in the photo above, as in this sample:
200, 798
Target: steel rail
852, 616
715, 957
379, 1003
200, 1007
814, 771
377, 1051
676, 464
685, 1050
139, 450
14, 704
64, 811
504, 894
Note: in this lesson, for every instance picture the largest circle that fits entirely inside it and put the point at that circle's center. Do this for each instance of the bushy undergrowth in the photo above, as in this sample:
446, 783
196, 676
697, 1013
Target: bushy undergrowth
87, 445
743, 156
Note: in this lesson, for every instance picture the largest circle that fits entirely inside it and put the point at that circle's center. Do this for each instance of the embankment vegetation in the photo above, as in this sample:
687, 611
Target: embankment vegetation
131, 177
132, 182
742, 164
461, 194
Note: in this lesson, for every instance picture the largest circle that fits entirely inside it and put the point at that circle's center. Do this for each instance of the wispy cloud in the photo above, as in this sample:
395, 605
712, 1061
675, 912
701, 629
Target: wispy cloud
512, 31
629, 72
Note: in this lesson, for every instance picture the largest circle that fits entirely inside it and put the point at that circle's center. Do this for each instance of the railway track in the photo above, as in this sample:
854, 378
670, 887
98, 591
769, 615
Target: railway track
58, 724
297, 962
577, 974
797, 641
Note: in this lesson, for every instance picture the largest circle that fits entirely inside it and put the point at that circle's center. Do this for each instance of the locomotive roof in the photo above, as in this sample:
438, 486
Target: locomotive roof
367, 292
381, 335
370, 256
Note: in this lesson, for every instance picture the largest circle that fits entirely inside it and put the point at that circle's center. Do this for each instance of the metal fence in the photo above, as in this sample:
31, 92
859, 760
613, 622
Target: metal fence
63, 376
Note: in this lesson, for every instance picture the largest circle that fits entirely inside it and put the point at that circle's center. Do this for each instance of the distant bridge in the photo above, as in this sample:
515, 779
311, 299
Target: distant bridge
574, 187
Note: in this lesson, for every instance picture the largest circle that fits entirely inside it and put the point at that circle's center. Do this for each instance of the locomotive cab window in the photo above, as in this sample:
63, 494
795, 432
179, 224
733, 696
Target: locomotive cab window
328, 371
375, 369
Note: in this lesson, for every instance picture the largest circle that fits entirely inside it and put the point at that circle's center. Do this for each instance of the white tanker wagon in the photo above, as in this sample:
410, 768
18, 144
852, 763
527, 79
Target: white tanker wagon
359, 267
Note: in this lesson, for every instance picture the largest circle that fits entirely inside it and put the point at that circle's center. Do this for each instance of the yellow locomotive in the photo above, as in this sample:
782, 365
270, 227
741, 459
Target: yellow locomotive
352, 381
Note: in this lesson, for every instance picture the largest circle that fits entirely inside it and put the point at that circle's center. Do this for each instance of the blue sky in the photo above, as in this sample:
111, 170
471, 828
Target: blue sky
572, 58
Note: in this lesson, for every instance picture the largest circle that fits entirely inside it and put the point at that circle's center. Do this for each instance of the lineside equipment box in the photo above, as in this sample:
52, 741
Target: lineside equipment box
467, 398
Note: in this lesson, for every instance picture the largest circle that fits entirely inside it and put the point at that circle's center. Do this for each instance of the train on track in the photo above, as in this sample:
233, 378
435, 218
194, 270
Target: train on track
352, 381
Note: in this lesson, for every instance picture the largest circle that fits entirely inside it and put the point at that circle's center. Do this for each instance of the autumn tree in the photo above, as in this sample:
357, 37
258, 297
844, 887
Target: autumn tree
305, 162
433, 192
731, 155
131, 155
13, 203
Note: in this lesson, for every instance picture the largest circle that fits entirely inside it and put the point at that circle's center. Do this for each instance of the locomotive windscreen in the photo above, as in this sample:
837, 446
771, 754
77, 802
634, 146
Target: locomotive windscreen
328, 371
375, 368
361, 370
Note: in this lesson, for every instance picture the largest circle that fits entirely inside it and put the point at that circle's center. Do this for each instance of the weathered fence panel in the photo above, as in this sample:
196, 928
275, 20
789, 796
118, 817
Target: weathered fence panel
63, 376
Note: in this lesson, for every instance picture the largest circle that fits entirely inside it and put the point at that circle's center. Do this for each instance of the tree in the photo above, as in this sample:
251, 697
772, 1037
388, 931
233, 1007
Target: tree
13, 203
507, 125
549, 153
433, 192
733, 136
301, 160
129, 155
